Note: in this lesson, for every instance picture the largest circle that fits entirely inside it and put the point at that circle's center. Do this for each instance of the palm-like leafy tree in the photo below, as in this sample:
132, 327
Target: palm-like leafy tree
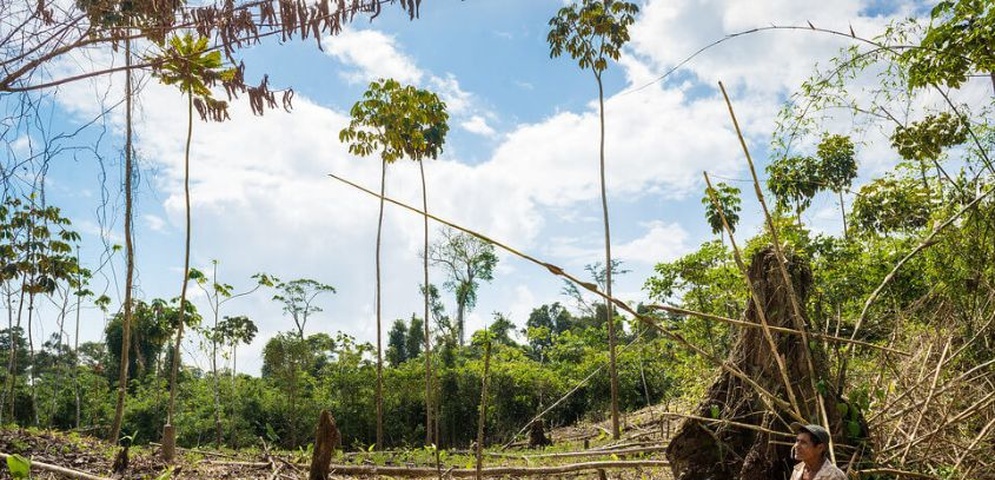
593, 32
187, 63
397, 122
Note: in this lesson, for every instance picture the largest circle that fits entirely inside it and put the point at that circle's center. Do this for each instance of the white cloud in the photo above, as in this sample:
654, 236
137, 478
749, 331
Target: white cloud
768, 62
658, 241
657, 142
457, 100
374, 54
91, 228
21, 145
662, 242
478, 124
155, 223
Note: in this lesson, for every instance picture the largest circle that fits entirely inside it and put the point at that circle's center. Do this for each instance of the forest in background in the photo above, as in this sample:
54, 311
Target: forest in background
902, 297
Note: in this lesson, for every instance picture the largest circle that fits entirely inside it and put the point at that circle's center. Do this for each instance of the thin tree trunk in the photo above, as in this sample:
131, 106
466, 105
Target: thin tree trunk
31, 360
379, 393
10, 360
843, 214
293, 400
428, 340
169, 436
460, 313
483, 409
609, 310
60, 364
214, 365
217, 402
129, 251
642, 374
12, 369
76, 389
234, 394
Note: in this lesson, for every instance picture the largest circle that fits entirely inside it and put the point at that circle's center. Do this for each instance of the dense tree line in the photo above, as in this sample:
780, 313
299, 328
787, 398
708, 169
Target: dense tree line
300, 376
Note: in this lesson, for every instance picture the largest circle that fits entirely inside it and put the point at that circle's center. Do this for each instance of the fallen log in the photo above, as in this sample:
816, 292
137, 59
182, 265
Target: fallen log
60, 470
198, 451
495, 471
584, 453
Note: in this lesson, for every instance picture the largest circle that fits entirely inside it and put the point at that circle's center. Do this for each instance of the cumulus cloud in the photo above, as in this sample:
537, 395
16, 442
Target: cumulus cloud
373, 55
661, 242
768, 62
478, 124
657, 142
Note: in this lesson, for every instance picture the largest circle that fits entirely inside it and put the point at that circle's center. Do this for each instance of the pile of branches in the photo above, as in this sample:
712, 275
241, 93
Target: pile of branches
934, 411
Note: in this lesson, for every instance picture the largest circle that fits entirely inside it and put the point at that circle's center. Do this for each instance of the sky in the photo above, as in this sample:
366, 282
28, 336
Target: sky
520, 163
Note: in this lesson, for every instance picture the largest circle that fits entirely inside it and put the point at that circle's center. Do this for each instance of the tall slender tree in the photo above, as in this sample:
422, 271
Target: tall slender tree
218, 294
593, 32
38, 251
397, 122
187, 63
467, 261
233, 331
129, 244
298, 299
118, 18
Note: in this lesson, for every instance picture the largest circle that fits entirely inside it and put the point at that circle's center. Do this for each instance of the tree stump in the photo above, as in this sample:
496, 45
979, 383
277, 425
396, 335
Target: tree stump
326, 441
168, 442
120, 465
537, 435
716, 450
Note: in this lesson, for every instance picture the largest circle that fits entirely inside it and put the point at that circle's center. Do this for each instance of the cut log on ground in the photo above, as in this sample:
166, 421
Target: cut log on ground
723, 448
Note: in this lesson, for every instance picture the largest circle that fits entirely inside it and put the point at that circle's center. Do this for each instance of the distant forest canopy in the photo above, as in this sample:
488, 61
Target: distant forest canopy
903, 297
301, 375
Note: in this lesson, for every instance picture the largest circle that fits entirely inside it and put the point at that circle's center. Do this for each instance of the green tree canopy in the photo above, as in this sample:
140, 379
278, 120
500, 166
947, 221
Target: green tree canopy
467, 260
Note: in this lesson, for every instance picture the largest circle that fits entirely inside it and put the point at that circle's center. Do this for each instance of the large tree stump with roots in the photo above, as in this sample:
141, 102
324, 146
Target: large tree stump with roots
719, 449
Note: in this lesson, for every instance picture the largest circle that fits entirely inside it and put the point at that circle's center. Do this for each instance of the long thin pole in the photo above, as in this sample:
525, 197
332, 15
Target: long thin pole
129, 251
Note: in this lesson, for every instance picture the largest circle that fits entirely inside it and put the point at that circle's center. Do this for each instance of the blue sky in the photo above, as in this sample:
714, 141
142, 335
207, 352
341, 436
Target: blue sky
520, 165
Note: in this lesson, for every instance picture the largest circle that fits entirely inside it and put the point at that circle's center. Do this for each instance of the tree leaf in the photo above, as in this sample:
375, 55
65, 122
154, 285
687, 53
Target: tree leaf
19, 466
